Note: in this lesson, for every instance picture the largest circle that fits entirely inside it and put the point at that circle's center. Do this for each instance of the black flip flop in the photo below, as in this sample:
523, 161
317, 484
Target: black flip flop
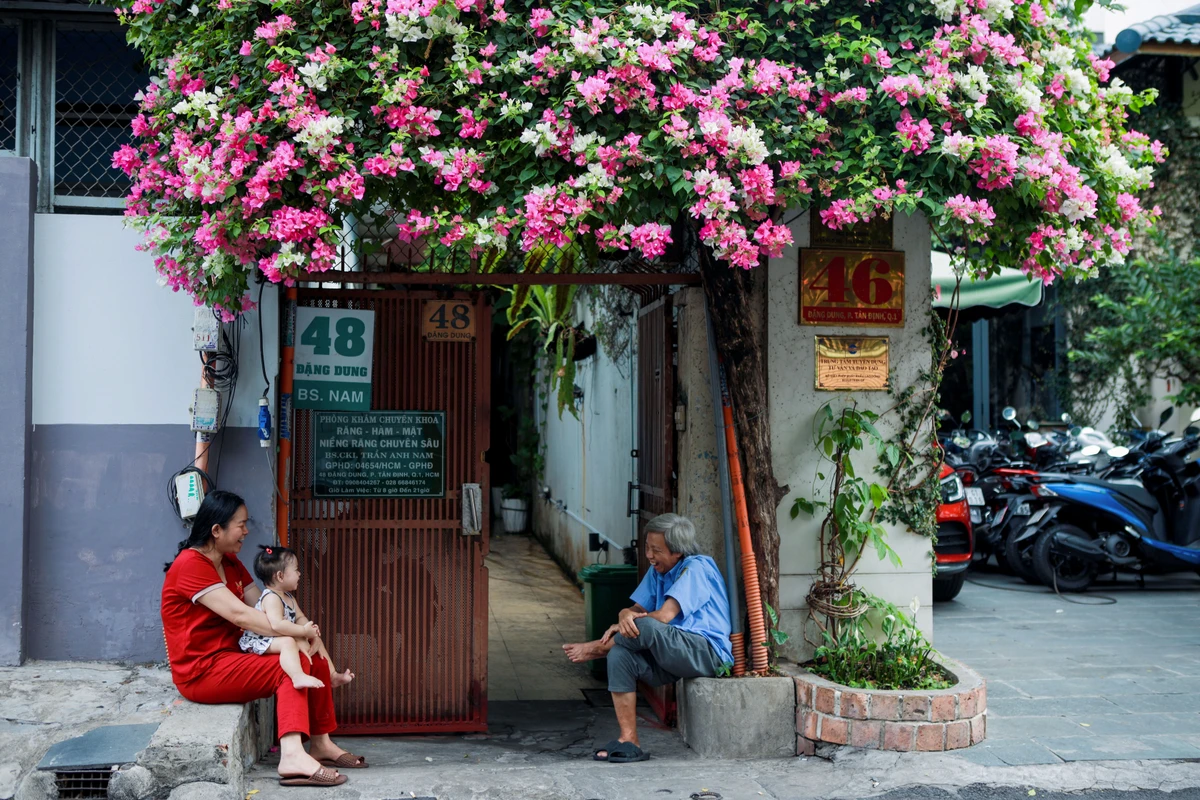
627, 753
608, 748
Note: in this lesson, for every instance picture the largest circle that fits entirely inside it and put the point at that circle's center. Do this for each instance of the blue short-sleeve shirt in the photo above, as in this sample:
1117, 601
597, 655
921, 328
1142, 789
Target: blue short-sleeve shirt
697, 585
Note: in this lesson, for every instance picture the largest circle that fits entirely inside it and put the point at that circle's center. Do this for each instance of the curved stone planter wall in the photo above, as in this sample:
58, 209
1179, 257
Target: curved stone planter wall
947, 719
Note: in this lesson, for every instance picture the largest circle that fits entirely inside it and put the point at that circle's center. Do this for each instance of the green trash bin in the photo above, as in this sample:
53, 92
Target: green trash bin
606, 590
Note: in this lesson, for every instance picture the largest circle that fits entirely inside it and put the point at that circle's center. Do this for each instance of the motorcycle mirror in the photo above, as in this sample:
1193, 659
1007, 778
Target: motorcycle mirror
1090, 450
1033, 424
1118, 452
1066, 418
966, 418
1075, 431
1195, 416
1191, 430
1009, 413
1165, 415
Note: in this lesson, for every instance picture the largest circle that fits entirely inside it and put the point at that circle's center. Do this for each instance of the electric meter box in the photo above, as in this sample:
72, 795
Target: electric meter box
206, 410
206, 331
189, 492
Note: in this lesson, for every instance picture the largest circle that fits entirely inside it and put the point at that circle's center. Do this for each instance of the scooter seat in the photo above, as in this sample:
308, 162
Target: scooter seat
1132, 490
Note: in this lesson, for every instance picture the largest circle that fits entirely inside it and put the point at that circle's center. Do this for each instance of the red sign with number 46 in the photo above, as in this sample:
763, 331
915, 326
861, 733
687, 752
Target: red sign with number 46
852, 287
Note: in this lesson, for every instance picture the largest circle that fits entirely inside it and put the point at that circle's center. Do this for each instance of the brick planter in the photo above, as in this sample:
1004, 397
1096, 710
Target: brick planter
945, 719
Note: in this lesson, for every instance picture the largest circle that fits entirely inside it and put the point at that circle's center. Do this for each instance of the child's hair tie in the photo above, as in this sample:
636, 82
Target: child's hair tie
268, 550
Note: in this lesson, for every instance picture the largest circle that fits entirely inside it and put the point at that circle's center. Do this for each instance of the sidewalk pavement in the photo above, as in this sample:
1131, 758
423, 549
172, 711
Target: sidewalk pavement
1077, 677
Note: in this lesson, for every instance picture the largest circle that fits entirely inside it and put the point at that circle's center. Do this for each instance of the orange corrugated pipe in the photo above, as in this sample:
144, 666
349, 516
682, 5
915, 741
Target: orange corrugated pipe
283, 462
738, 640
754, 609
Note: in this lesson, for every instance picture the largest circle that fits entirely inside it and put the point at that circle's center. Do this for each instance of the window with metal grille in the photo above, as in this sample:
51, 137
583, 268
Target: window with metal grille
96, 75
67, 87
9, 52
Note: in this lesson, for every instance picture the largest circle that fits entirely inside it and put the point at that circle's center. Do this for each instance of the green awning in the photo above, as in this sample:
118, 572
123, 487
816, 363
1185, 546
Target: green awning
1007, 287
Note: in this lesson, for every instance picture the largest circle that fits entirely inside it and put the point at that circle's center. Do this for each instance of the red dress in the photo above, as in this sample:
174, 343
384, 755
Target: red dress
208, 667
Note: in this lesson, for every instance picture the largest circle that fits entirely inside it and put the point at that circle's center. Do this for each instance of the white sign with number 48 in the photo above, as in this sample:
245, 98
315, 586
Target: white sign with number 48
334, 349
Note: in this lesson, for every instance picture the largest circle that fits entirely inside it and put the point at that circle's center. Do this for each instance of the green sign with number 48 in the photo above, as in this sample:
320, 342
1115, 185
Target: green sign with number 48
334, 348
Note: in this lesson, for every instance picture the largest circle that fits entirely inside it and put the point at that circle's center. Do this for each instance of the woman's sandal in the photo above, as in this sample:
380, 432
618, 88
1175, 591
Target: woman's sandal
346, 761
322, 777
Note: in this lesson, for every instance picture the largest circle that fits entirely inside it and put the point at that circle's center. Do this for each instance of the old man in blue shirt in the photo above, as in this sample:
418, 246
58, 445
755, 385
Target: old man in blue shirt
677, 627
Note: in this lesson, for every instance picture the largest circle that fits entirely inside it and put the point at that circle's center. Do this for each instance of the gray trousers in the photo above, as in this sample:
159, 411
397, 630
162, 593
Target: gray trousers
661, 654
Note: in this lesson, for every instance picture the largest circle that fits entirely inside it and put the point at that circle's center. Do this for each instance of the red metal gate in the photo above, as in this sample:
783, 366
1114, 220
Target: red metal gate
399, 591
656, 442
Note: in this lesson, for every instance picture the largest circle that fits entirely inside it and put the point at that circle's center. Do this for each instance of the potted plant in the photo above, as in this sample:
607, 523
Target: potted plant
528, 462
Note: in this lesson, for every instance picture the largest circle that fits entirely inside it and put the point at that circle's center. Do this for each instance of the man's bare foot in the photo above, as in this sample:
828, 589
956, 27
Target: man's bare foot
341, 678
584, 651
307, 682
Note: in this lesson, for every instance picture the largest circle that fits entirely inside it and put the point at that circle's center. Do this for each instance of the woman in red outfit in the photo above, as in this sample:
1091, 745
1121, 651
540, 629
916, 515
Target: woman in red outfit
207, 601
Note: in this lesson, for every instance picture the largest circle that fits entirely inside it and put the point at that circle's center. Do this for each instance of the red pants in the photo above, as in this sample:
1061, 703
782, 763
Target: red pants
233, 677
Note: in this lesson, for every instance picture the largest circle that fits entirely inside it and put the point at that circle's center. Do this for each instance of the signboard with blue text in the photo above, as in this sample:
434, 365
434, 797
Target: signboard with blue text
333, 352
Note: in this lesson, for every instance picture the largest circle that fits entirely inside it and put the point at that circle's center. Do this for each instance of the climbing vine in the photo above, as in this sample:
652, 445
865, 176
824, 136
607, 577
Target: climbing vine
903, 488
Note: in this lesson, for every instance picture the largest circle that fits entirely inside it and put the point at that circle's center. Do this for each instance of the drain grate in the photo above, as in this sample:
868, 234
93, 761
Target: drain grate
82, 784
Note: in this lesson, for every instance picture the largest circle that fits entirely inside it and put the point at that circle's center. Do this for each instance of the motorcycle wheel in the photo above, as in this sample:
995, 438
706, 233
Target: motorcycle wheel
1064, 573
946, 589
1019, 557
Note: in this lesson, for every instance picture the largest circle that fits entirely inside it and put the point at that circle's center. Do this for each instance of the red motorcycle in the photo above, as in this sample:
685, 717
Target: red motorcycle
955, 545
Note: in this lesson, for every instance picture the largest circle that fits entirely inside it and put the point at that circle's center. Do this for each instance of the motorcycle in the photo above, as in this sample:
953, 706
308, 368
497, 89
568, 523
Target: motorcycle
1147, 522
955, 545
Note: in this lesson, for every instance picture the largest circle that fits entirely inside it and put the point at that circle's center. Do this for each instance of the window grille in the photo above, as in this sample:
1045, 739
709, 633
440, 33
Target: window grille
96, 76
9, 53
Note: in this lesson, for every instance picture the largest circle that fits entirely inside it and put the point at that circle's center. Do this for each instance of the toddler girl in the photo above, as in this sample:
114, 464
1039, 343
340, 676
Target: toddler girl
279, 570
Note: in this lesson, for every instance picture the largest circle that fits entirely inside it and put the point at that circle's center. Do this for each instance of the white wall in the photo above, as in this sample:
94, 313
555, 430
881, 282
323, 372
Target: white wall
593, 485
793, 404
112, 347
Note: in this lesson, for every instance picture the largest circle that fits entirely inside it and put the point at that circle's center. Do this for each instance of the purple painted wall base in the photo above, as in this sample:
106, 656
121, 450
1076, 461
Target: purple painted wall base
101, 530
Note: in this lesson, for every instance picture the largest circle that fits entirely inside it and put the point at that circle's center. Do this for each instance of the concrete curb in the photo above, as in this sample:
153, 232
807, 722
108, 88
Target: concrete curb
738, 717
207, 744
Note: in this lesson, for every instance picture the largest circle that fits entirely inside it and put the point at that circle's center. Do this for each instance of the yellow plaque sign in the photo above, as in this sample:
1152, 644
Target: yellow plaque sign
852, 362
447, 321
852, 287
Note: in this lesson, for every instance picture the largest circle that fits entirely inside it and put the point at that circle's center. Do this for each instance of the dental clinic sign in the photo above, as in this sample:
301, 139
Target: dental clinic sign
333, 351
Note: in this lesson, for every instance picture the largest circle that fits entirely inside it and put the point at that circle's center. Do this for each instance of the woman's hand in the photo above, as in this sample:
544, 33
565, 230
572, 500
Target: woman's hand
626, 625
226, 605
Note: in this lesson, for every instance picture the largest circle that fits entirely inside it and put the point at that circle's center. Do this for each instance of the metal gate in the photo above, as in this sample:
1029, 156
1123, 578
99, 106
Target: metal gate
399, 591
656, 443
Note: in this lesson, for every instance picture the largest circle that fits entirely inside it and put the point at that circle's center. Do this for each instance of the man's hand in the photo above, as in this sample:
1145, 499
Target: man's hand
311, 631
625, 622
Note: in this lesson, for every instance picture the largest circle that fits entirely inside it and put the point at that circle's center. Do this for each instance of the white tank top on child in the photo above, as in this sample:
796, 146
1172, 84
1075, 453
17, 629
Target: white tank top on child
257, 643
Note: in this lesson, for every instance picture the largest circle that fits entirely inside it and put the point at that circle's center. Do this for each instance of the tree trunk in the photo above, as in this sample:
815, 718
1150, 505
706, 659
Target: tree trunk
737, 306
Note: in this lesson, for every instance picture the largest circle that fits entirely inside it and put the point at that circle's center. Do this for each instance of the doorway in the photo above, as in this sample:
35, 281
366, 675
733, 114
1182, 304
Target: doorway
395, 579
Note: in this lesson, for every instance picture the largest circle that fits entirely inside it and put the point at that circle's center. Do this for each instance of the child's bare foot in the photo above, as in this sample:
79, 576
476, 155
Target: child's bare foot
307, 682
341, 678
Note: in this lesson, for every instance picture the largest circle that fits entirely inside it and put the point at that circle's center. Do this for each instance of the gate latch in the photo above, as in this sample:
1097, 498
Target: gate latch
472, 509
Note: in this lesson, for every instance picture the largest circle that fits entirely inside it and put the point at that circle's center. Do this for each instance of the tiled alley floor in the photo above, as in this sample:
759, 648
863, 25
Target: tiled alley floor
533, 611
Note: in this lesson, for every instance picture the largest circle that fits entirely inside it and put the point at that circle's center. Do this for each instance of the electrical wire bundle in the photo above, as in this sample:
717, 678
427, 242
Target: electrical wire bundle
220, 370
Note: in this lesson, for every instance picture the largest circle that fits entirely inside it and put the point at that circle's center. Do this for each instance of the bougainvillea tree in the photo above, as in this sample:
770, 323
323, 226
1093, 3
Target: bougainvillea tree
501, 126
509, 123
